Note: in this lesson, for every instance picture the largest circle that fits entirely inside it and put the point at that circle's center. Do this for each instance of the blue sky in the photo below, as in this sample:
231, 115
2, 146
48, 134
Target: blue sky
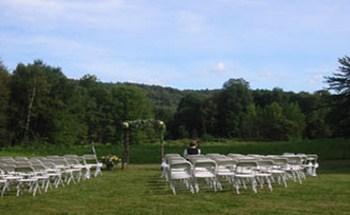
187, 44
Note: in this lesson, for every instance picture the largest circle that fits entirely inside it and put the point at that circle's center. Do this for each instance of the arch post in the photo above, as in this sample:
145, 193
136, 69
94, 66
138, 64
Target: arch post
126, 140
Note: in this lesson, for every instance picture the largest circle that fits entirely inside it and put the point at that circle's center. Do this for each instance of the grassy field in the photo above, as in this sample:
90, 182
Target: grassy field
140, 190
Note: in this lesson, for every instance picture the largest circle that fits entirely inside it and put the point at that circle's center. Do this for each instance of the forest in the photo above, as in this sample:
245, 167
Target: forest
39, 104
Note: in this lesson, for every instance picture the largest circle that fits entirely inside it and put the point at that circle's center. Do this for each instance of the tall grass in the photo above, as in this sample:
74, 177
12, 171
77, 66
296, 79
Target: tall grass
327, 149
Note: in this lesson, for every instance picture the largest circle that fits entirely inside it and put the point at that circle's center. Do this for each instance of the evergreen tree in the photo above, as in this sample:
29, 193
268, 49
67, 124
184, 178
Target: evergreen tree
4, 101
340, 83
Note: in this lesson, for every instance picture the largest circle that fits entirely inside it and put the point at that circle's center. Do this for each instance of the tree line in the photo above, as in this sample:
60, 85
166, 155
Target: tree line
38, 103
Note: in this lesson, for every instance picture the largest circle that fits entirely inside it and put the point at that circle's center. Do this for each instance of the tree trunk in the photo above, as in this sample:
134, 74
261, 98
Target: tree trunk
29, 114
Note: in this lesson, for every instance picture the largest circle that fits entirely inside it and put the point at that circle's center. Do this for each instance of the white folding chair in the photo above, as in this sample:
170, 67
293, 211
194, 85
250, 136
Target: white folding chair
3, 182
180, 170
27, 182
312, 164
204, 168
91, 162
225, 169
263, 173
245, 173
279, 170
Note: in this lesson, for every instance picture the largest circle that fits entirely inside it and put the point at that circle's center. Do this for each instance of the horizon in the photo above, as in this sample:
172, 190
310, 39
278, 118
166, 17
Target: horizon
269, 43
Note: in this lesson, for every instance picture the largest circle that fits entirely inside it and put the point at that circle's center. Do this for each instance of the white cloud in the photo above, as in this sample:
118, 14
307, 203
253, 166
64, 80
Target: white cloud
220, 67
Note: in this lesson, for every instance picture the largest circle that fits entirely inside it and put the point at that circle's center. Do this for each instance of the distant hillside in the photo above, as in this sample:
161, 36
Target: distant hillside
166, 97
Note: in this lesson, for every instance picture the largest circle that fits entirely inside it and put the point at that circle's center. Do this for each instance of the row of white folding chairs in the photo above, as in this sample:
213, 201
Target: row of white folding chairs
259, 170
308, 161
237, 169
40, 173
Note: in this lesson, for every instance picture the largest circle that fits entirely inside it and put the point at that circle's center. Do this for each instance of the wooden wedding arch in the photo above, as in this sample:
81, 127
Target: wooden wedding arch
134, 125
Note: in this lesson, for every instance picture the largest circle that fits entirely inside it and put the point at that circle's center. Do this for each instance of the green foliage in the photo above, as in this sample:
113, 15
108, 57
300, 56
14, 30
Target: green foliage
188, 119
4, 104
39, 104
340, 82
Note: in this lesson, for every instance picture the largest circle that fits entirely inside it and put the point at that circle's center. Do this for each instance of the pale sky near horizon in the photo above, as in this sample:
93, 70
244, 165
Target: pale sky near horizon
192, 44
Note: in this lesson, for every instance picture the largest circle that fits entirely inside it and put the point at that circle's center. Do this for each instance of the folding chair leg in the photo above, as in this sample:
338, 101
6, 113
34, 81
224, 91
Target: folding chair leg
47, 184
254, 185
18, 188
237, 185
269, 184
4, 188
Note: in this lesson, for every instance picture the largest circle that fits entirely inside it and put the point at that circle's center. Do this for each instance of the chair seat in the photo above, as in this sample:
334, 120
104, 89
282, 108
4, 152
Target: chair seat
53, 174
262, 174
180, 175
244, 175
204, 175
41, 177
28, 180
275, 171
225, 173
93, 165
72, 170
80, 166
13, 177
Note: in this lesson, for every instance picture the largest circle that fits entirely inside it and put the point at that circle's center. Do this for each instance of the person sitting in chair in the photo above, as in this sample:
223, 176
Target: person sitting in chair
192, 149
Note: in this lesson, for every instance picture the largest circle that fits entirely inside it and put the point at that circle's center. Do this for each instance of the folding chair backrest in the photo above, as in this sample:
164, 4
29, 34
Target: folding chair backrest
8, 168
24, 168
76, 157
194, 158
265, 163
6, 158
21, 159
35, 162
177, 164
90, 159
59, 161
281, 162
228, 163
312, 157
205, 163
48, 164
72, 161
53, 157
22, 162
246, 167
176, 167
38, 167
234, 155
294, 160
172, 159
171, 155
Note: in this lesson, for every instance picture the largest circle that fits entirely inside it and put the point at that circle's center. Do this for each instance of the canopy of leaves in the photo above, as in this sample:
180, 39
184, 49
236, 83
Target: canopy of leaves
40, 103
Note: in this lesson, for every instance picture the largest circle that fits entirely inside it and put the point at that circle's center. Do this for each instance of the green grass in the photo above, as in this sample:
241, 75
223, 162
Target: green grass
140, 190
328, 149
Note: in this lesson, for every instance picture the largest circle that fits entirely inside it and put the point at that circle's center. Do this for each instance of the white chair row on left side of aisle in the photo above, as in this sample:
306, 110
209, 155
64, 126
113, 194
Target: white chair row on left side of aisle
39, 174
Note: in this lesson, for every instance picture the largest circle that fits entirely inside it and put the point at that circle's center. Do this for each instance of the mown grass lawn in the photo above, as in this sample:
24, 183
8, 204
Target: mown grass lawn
140, 190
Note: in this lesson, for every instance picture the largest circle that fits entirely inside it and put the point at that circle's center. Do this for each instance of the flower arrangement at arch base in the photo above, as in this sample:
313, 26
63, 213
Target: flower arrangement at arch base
110, 161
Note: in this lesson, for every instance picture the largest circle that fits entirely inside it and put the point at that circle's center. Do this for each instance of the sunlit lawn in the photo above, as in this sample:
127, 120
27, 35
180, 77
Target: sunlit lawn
140, 190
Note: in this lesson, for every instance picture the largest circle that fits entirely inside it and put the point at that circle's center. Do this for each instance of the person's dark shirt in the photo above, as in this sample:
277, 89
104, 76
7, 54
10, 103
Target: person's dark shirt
192, 151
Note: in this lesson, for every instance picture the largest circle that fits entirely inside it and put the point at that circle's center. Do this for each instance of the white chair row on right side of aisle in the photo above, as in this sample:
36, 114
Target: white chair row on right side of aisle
236, 170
